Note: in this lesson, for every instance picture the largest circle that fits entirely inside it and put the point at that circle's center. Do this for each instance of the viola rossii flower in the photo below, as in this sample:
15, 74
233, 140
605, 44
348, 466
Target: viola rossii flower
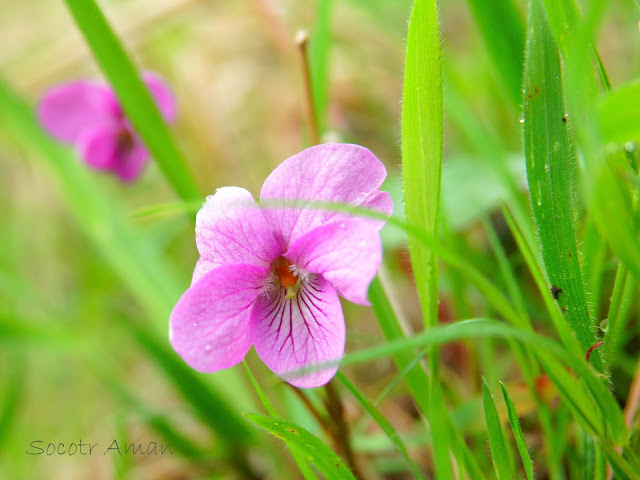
271, 276
88, 115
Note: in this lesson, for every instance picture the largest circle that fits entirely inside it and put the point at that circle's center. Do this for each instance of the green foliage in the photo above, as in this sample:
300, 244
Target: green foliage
382, 422
422, 145
305, 444
505, 44
133, 95
88, 277
319, 47
500, 453
517, 433
550, 165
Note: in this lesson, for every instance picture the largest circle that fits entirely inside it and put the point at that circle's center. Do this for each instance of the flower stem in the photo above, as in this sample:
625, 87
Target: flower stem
335, 408
302, 42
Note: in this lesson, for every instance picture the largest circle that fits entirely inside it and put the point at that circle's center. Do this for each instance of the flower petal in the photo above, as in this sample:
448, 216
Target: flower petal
209, 326
161, 93
69, 110
305, 331
98, 146
131, 161
347, 253
325, 173
230, 228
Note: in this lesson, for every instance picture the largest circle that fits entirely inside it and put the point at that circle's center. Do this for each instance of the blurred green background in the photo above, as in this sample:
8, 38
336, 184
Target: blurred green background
71, 365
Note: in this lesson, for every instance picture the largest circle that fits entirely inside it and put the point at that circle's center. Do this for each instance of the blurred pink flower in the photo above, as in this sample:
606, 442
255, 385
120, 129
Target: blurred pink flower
88, 115
270, 277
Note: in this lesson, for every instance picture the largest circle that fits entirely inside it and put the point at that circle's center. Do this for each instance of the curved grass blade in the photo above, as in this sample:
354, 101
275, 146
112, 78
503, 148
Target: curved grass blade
500, 454
304, 443
422, 146
133, 95
517, 433
591, 408
306, 471
505, 44
382, 422
549, 170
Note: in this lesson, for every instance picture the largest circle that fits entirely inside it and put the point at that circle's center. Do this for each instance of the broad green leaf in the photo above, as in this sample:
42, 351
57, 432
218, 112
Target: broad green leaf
133, 95
500, 454
506, 43
422, 146
517, 433
382, 422
550, 164
304, 443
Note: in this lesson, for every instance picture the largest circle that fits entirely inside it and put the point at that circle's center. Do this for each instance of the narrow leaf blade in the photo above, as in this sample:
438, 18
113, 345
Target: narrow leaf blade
303, 442
133, 95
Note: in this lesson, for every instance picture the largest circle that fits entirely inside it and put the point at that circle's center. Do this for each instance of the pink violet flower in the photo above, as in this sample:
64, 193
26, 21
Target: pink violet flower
88, 115
271, 276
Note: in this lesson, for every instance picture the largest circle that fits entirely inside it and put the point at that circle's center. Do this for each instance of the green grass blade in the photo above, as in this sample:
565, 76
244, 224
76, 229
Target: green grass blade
416, 377
506, 268
422, 146
304, 467
440, 433
382, 422
517, 433
319, 46
592, 407
304, 443
549, 170
563, 329
133, 95
619, 119
620, 466
138, 265
621, 300
563, 17
13, 390
505, 44
500, 454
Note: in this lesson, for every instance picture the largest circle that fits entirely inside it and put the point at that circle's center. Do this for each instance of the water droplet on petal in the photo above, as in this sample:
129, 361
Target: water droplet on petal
195, 324
207, 347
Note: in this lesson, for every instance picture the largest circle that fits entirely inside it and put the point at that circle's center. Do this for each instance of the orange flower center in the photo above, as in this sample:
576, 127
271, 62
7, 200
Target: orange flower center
288, 278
